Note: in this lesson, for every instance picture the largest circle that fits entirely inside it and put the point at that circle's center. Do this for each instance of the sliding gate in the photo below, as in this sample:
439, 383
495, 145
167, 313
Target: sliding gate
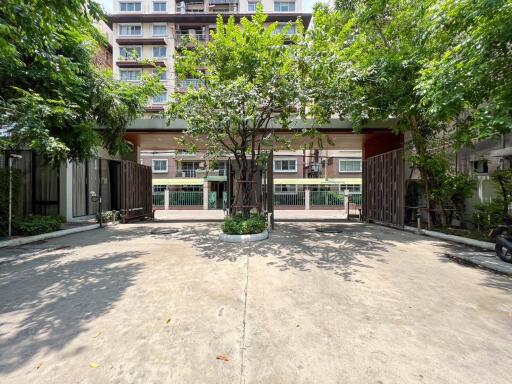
383, 188
136, 193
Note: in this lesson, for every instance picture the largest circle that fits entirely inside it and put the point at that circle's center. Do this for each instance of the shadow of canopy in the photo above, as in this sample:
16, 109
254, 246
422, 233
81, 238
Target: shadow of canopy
56, 296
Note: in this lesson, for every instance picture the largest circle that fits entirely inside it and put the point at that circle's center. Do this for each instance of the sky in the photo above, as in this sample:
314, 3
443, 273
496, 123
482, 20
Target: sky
307, 4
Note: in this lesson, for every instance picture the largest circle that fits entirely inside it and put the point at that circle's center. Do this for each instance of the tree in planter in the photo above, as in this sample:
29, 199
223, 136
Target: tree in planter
52, 95
247, 84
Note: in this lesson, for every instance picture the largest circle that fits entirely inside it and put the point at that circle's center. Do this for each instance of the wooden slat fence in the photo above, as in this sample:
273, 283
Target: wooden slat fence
383, 188
136, 195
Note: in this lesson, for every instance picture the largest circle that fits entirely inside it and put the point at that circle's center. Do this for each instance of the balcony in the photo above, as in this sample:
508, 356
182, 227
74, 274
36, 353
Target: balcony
186, 39
184, 7
132, 61
186, 173
154, 108
223, 6
140, 40
183, 85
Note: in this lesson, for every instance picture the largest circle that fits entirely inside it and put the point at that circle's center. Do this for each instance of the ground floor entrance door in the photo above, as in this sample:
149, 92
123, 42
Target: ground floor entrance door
218, 199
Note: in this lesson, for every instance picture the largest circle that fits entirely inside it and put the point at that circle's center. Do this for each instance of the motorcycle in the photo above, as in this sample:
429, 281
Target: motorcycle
502, 236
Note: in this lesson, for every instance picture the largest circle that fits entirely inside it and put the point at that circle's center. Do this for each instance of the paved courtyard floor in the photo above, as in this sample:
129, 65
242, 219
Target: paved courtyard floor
369, 305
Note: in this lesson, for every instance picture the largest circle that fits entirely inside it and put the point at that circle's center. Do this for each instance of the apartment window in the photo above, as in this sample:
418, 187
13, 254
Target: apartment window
159, 6
159, 188
189, 168
132, 53
159, 166
222, 167
350, 165
284, 6
159, 29
159, 51
352, 188
161, 74
160, 99
130, 30
291, 29
285, 165
190, 83
129, 6
480, 166
251, 7
130, 75
285, 188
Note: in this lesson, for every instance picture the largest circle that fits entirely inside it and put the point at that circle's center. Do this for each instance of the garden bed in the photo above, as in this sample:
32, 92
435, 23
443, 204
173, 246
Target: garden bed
239, 229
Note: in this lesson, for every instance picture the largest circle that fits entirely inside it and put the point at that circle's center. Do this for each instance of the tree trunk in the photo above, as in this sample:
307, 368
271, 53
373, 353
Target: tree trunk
420, 146
245, 187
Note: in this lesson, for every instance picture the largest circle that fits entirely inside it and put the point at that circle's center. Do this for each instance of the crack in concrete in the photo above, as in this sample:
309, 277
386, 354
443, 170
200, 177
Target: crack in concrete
242, 338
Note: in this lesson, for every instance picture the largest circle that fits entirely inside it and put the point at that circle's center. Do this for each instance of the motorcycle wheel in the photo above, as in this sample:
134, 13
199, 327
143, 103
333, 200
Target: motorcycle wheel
503, 253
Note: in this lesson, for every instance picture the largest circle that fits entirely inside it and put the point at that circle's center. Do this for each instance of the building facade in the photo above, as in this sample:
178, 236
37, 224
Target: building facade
192, 180
148, 33
480, 161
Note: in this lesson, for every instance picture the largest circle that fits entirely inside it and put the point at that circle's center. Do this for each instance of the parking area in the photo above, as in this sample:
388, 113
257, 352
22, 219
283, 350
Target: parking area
368, 305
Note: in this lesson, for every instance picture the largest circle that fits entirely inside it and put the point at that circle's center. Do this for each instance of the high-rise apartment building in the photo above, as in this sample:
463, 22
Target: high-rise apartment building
156, 29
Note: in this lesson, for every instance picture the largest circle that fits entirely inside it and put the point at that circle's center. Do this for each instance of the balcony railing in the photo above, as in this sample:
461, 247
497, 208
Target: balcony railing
223, 8
186, 173
214, 6
189, 7
213, 2
184, 39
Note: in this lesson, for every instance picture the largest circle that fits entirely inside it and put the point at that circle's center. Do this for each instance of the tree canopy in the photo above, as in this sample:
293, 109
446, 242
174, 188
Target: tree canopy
440, 68
52, 95
247, 84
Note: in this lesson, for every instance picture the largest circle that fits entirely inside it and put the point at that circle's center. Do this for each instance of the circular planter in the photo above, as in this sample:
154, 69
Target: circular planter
244, 238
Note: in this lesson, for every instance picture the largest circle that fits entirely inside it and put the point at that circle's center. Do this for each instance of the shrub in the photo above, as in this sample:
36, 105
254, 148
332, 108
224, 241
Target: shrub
35, 225
488, 215
108, 216
238, 225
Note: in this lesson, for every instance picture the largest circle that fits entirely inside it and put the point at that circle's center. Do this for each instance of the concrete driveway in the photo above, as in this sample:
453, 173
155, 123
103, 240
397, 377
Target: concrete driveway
370, 305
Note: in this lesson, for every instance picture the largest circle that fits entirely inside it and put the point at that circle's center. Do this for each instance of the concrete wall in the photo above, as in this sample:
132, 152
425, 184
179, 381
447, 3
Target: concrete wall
482, 150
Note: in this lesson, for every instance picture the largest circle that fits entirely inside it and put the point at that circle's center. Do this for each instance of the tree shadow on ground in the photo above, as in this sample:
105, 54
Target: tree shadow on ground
54, 295
299, 247
491, 279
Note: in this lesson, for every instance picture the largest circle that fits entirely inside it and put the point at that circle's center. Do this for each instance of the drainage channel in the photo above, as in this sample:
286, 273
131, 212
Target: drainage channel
330, 229
163, 231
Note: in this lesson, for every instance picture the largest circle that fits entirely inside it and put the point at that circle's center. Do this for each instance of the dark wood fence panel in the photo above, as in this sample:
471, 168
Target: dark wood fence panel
383, 188
136, 193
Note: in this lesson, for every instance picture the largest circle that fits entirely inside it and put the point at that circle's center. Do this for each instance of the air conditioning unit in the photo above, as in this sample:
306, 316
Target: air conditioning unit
315, 167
